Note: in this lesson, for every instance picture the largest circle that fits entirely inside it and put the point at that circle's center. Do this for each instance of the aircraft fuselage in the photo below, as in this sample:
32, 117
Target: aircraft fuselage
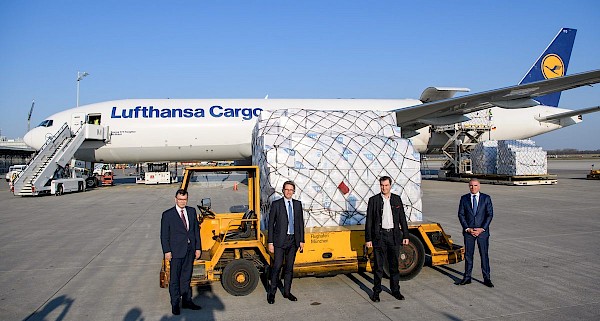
144, 130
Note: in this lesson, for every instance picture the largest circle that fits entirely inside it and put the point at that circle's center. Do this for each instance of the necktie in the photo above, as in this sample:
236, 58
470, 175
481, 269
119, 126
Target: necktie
183, 220
290, 218
475, 204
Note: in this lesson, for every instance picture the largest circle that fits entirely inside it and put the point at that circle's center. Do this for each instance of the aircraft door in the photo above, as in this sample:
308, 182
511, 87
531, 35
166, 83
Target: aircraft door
77, 120
94, 119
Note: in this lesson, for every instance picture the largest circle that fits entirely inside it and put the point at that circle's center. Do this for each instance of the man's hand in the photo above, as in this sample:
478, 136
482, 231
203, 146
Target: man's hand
405, 241
369, 244
198, 252
477, 231
168, 256
301, 247
271, 248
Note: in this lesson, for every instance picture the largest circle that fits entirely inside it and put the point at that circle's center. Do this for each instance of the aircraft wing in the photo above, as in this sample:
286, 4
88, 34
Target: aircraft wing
452, 110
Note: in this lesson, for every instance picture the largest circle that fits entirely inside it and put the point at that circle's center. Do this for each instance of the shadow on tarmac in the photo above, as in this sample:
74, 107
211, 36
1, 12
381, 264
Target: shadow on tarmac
205, 298
445, 270
62, 302
363, 286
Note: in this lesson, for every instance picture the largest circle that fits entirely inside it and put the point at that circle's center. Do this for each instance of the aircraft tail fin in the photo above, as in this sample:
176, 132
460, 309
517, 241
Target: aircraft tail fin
552, 63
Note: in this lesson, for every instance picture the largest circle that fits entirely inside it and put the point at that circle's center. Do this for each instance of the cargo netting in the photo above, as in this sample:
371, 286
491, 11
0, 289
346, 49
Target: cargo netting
483, 157
509, 157
335, 158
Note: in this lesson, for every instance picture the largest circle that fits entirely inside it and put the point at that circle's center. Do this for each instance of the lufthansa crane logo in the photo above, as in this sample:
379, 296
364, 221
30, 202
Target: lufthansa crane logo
552, 66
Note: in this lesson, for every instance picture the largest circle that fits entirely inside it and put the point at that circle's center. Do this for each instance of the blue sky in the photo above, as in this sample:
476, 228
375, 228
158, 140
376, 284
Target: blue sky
286, 49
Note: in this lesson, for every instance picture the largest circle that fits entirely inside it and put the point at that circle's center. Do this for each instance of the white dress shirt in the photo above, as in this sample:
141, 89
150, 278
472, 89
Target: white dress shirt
387, 221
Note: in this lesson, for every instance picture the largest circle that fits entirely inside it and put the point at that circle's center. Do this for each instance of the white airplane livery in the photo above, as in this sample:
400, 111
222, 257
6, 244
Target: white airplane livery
143, 130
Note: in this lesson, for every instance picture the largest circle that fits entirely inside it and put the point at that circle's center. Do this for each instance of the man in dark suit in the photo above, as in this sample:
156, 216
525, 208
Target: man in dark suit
180, 240
286, 236
385, 230
475, 213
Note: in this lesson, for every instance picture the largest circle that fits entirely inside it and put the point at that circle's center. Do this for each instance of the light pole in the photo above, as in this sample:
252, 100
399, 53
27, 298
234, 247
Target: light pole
80, 76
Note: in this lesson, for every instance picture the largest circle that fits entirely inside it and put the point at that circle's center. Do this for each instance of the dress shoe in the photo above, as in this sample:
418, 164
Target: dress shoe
375, 297
290, 297
488, 283
175, 309
271, 298
190, 305
465, 282
398, 296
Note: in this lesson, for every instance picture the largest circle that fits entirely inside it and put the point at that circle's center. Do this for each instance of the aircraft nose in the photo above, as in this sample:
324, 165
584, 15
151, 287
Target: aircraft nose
32, 140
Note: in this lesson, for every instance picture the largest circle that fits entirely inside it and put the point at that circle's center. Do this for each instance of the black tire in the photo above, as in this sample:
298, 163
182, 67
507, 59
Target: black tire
59, 190
411, 259
240, 277
80, 186
90, 183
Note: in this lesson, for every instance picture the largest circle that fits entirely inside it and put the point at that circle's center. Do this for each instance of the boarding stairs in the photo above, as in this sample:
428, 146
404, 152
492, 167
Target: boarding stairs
57, 152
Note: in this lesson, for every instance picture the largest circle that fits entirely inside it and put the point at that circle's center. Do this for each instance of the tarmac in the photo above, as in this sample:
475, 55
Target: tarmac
97, 255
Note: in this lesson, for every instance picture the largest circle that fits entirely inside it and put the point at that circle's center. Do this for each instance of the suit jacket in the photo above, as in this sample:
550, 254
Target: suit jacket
374, 216
485, 212
278, 223
173, 234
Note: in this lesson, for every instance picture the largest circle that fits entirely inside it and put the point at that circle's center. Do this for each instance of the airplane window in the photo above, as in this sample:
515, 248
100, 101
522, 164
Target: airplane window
46, 123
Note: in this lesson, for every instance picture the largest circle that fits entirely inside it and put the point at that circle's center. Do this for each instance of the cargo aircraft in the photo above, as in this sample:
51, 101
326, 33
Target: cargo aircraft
143, 130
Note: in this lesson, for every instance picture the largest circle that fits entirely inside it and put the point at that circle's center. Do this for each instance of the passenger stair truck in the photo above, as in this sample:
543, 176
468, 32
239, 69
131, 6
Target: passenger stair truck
335, 174
55, 154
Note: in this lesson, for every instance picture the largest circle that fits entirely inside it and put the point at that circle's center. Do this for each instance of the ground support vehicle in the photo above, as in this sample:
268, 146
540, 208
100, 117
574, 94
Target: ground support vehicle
234, 244
13, 171
107, 179
232, 247
594, 174
65, 180
341, 249
156, 173
67, 185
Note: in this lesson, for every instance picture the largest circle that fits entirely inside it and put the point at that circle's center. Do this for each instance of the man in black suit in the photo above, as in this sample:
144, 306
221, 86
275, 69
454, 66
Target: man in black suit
286, 236
475, 212
180, 240
385, 230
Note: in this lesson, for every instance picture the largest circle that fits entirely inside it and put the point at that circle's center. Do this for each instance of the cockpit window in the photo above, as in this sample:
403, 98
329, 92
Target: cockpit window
46, 123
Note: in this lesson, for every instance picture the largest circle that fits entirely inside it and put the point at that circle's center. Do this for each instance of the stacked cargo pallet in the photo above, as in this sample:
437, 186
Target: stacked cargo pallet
484, 156
521, 157
509, 157
335, 159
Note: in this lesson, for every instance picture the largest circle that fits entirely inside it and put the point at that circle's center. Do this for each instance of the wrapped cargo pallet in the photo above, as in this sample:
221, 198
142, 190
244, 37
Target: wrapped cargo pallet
483, 157
335, 159
521, 157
